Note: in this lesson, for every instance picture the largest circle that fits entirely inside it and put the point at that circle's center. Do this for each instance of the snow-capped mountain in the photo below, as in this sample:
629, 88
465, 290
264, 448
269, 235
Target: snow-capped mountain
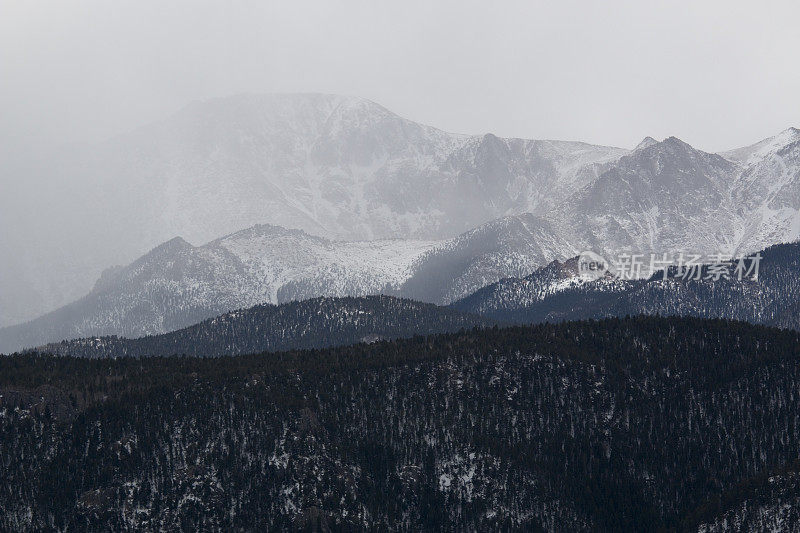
508, 247
347, 170
668, 197
766, 190
342, 168
557, 292
662, 197
333, 166
177, 284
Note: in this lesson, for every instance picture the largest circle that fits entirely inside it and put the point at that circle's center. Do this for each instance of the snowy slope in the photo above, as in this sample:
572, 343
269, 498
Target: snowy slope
668, 197
338, 167
662, 197
766, 191
177, 284
348, 169
508, 247
516, 293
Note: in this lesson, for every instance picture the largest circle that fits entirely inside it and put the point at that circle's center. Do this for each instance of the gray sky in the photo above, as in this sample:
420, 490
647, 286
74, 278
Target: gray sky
716, 74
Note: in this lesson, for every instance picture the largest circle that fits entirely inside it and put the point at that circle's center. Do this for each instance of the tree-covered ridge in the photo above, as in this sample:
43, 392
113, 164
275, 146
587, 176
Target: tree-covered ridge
553, 293
315, 323
767, 502
623, 424
773, 299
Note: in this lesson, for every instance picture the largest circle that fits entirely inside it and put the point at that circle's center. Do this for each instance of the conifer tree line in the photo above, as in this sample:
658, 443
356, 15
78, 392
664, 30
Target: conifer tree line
634, 424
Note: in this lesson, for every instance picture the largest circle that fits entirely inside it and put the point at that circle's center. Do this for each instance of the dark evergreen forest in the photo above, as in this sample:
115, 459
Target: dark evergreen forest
315, 323
629, 424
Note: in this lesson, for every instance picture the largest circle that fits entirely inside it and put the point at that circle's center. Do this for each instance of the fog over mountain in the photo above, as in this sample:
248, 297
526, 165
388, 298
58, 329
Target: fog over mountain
399, 266
345, 168
337, 167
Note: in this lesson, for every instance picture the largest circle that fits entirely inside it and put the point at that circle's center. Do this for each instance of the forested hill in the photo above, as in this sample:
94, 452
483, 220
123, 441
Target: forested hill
773, 299
316, 323
551, 294
624, 424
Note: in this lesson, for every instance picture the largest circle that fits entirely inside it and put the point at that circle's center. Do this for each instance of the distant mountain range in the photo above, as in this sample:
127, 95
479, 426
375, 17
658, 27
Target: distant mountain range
346, 168
337, 167
177, 284
385, 206
555, 293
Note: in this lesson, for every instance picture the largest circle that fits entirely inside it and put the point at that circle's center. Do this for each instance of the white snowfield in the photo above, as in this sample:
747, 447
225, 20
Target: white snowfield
273, 257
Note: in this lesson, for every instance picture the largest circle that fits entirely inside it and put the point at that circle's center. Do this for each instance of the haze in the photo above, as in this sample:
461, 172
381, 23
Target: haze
715, 74
74, 74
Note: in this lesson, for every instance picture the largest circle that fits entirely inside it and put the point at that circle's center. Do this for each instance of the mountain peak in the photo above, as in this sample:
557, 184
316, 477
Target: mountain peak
171, 248
175, 243
787, 136
651, 150
674, 141
268, 231
670, 144
646, 143
256, 113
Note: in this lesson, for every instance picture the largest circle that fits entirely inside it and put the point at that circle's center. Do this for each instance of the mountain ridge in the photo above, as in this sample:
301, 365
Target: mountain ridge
557, 292
177, 284
347, 167
316, 323
343, 168
771, 299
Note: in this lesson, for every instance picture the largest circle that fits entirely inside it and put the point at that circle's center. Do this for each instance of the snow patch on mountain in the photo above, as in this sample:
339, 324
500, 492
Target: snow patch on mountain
758, 151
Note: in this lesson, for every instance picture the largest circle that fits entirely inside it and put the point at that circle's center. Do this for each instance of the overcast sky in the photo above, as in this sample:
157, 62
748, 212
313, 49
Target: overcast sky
716, 74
